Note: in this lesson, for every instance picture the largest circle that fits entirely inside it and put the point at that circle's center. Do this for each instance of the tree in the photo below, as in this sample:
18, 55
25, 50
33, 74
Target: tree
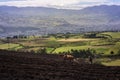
111, 52
42, 51
67, 35
83, 53
15, 37
90, 35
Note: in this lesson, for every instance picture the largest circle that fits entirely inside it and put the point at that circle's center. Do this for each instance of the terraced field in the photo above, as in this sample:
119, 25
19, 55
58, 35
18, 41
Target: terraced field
28, 66
103, 42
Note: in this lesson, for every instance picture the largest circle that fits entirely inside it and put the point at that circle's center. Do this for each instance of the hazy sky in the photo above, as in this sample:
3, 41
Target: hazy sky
68, 4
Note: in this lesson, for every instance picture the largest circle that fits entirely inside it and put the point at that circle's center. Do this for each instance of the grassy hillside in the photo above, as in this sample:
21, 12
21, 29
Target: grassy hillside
113, 34
105, 44
110, 41
10, 46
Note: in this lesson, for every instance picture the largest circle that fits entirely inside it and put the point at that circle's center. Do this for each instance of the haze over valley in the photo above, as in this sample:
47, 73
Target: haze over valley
44, 20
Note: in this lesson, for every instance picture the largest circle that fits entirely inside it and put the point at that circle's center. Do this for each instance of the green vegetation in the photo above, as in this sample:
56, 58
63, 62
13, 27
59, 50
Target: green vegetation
115, 62
103, 43
112, 63
10, 46
113, 34
65, 49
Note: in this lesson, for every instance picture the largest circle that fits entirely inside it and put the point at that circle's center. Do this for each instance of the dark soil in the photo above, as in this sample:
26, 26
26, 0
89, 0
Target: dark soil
28, 66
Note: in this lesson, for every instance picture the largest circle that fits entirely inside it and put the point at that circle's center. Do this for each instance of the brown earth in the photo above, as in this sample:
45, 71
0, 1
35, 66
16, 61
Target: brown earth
28, 66
76, 40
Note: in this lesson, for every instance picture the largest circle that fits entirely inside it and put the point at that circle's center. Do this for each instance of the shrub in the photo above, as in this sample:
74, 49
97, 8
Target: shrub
83, 53
111, 52
42, 51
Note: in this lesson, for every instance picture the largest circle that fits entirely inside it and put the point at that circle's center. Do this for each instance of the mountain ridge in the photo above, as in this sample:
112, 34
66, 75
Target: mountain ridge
52, 20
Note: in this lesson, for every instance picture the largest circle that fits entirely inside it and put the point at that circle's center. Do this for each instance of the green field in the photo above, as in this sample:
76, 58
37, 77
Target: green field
10, 46
113, 34
112, 63
75, 41
103, 43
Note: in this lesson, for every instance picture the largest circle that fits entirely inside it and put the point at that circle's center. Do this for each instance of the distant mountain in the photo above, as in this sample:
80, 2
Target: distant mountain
42, 20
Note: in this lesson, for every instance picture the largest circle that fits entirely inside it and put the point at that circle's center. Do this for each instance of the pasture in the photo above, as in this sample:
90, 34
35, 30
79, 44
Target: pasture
115, 62
10, 46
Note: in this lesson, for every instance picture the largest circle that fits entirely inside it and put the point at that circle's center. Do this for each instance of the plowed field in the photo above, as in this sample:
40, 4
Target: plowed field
28, 66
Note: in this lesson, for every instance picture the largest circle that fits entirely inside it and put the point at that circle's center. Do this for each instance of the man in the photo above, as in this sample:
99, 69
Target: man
90, 59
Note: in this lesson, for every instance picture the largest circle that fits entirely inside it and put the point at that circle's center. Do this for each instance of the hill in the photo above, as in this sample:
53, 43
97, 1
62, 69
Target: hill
50, 20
